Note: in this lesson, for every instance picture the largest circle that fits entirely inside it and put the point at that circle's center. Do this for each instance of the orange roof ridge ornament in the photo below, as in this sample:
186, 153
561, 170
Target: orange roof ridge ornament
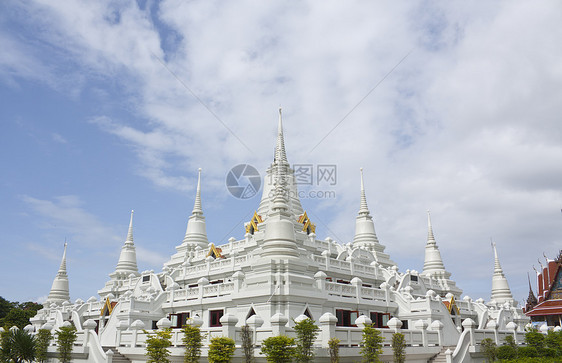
253, 225
308, 226
108, 306
215, 252
450, 305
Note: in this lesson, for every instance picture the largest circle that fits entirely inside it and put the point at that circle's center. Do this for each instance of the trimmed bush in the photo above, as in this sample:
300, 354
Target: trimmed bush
279, 349
221, 350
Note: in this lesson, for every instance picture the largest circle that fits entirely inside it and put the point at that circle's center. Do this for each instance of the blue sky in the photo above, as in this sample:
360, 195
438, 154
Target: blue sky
111, 106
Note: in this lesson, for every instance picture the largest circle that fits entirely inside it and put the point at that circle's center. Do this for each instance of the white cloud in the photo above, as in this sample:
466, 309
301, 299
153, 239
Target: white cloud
152, 258
58, 138
67, 215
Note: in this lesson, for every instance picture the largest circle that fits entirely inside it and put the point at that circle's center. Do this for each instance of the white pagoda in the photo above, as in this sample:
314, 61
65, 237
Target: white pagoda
276, 273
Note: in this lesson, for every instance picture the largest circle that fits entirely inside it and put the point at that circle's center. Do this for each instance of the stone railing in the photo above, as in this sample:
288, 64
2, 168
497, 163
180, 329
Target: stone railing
355, 290
202, 291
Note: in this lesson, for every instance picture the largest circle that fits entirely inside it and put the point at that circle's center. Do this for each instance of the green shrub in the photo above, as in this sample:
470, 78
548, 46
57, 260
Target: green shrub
43, 338
278, 349
17, 346
192, 339
157, 346
535, 339
553, 340
334, 348
527, 352
371, 344
548, 352
221, 350
66, 336
306, 332
506, 352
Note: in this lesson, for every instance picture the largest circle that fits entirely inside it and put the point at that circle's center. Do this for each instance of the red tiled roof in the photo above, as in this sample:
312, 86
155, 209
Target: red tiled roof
548, 307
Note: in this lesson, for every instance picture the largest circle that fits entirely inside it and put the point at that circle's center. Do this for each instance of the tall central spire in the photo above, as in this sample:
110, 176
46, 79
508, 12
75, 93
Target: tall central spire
280, 154
197, 208
279, 239
130, 231
430, 236
363, 209
280, 162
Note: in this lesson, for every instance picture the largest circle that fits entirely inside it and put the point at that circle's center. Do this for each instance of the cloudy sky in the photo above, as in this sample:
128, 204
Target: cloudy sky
111, 106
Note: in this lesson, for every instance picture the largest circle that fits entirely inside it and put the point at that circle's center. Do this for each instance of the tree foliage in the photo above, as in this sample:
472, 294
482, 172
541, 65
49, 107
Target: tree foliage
334, 348
43, 339
306, 332
66, 336
279, 349
399, 347
157, 346
221, 350
371, 344
192, 339
247, 343
17, 314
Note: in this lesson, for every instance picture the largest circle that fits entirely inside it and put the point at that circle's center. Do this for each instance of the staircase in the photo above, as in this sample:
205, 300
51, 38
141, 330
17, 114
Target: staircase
441, 357
117, 357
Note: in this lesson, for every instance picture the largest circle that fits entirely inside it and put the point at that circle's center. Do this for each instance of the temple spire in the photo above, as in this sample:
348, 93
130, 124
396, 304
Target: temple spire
197, 209
59, 290
280, 201
130, 232
500, 288
280, 154
365, 236
127, 263
196, 232
279, 239
280, 162
363, 209
497, 267
430, 236
62, 268
433, 263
